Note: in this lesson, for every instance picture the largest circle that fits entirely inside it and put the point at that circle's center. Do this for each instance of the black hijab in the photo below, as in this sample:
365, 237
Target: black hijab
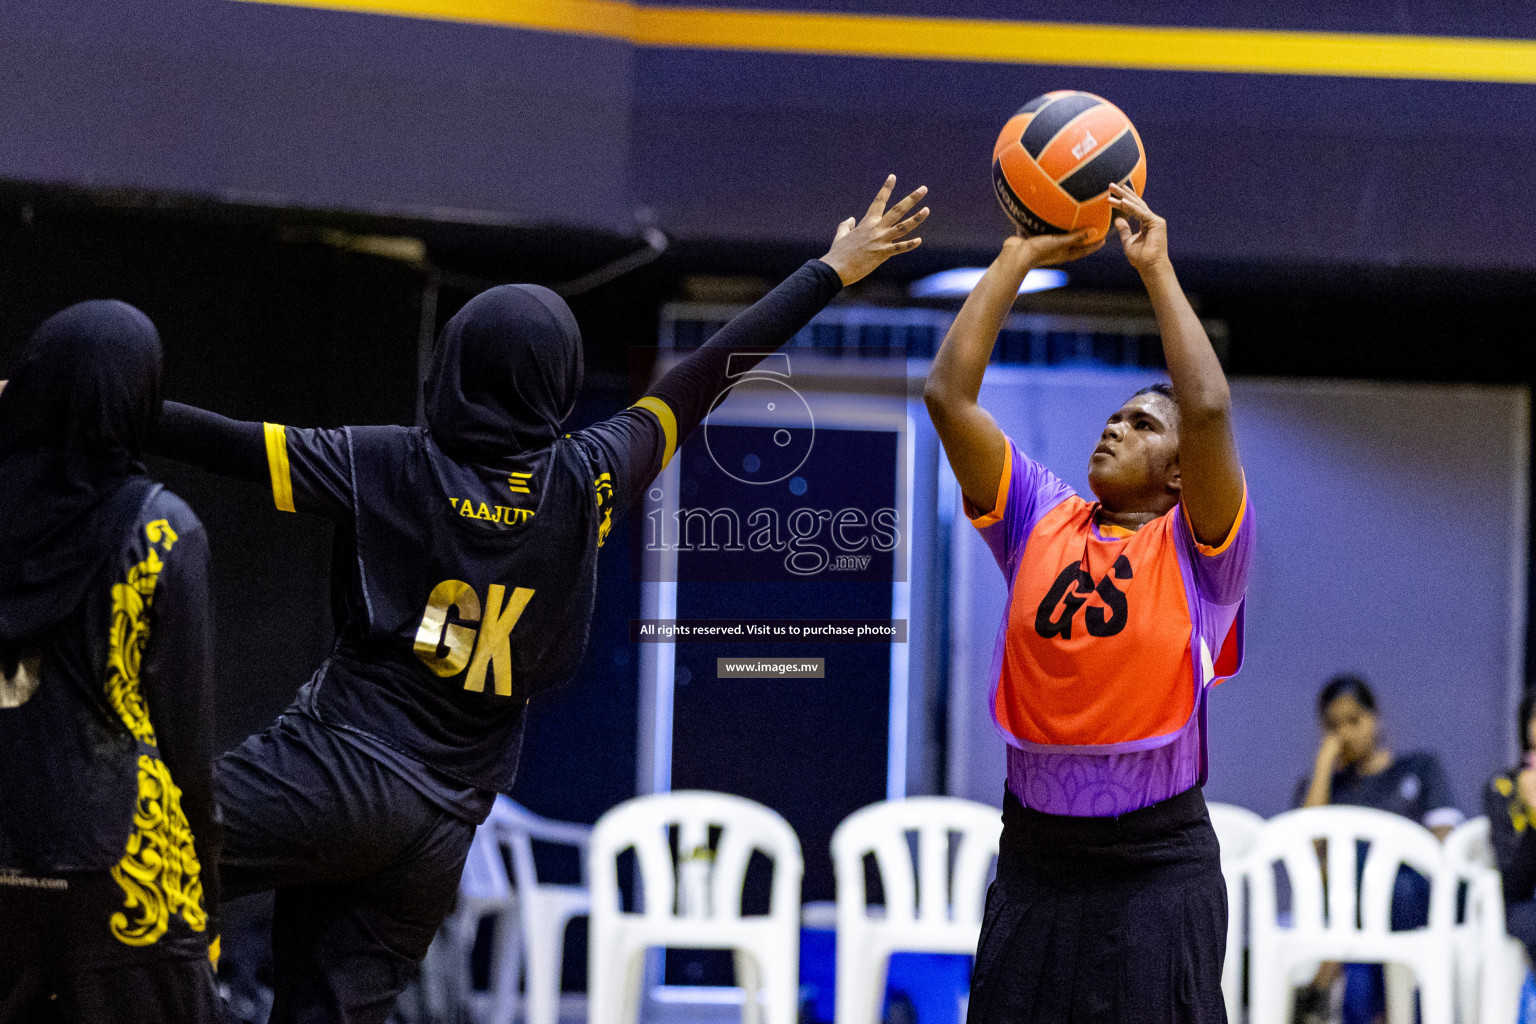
504, 375
73, 423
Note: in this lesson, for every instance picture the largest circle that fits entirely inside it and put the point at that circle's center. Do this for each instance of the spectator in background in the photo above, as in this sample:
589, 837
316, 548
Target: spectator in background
1509, 800
1353, 767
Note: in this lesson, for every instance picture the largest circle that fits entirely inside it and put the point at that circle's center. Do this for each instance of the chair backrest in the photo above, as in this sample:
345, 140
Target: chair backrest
1479, 937
518, 827
948, 881
1470, 846
1395, 841
485, 873
643, 824
1237, 829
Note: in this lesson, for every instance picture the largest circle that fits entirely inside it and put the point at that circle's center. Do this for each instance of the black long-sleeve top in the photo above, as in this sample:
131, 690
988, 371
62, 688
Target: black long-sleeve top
1512, 829
117, 720
463, 588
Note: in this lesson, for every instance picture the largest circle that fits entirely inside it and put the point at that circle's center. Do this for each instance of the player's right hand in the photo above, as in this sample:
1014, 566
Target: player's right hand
862, 245
1046, 250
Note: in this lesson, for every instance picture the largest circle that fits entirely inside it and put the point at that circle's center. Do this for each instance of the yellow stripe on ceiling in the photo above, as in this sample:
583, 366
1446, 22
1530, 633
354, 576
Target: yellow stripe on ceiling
1137, 47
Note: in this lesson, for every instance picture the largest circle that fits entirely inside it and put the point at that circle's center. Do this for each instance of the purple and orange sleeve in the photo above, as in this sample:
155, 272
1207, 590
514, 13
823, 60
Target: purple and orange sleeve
1026, 490
1221, 570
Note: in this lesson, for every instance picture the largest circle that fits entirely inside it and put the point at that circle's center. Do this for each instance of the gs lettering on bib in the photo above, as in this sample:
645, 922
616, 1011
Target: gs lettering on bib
1109, 637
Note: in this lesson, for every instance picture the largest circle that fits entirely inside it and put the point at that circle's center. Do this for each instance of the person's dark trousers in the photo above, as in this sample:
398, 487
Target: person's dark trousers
364, 867
1104, 920
59, 963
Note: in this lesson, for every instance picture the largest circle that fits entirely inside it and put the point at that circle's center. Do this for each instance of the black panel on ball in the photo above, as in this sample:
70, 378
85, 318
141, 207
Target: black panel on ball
1033, 105
1114, 163
1053, 118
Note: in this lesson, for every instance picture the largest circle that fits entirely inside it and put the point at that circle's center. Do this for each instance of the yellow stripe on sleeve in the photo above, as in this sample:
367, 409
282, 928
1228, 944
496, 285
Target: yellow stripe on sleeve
277, 462
663, 413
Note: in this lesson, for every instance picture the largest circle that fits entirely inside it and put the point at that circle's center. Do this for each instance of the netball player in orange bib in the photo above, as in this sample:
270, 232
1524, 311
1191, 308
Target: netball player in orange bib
1109, 904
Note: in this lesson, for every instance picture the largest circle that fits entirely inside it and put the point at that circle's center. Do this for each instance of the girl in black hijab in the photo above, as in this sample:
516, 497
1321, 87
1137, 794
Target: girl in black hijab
1509, 800
108, 843
466, 570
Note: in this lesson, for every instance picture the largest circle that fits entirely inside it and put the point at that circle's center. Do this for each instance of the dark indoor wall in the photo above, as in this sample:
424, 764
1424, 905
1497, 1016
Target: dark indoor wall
1245, 167
257, 330
478, 123
293, 107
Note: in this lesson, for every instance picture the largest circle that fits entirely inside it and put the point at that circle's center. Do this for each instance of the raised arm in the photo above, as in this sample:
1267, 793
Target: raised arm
971, 438
307, 470
858, 247
681, 400
1211, 475
218, 444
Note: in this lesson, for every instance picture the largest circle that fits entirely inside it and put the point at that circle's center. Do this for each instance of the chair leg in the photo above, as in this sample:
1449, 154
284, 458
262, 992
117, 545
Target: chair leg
506, 961
1232, 985
1400, 986
852, 967
1269, 1000
1435, 1003
861, 988
751, 982
546, 949
462, 927
607, 987
781, 989
1232, 965
634, 987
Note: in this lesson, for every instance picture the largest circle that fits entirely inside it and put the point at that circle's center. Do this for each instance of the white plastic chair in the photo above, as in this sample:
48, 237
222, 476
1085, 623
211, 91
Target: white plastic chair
1490, 964
932, 906
546, 908
1342, 921
693, 901
485, 890
531, 916
1237, 830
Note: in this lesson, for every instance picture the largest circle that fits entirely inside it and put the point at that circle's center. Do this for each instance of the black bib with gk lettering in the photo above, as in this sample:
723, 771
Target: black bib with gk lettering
471, 590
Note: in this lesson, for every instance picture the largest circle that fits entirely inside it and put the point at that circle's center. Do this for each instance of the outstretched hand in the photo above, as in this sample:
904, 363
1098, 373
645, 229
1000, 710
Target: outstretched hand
1148, 245
1045, 250
861, 246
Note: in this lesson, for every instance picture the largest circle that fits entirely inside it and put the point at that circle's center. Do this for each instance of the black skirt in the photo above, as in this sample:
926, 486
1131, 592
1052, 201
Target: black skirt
1104, 920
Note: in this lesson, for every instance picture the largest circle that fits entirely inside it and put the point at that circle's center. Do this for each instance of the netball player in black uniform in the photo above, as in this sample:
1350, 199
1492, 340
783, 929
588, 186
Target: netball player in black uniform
465, 572
108, 842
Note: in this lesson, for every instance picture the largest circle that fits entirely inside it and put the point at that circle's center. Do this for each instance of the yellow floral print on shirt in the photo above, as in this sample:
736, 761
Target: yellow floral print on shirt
159, 874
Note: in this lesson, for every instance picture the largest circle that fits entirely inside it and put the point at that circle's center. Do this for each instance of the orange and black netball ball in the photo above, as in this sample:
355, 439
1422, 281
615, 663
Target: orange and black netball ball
1056, 158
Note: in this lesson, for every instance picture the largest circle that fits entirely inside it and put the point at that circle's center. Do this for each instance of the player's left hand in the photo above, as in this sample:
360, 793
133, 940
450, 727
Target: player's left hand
862, 245
1146, 247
